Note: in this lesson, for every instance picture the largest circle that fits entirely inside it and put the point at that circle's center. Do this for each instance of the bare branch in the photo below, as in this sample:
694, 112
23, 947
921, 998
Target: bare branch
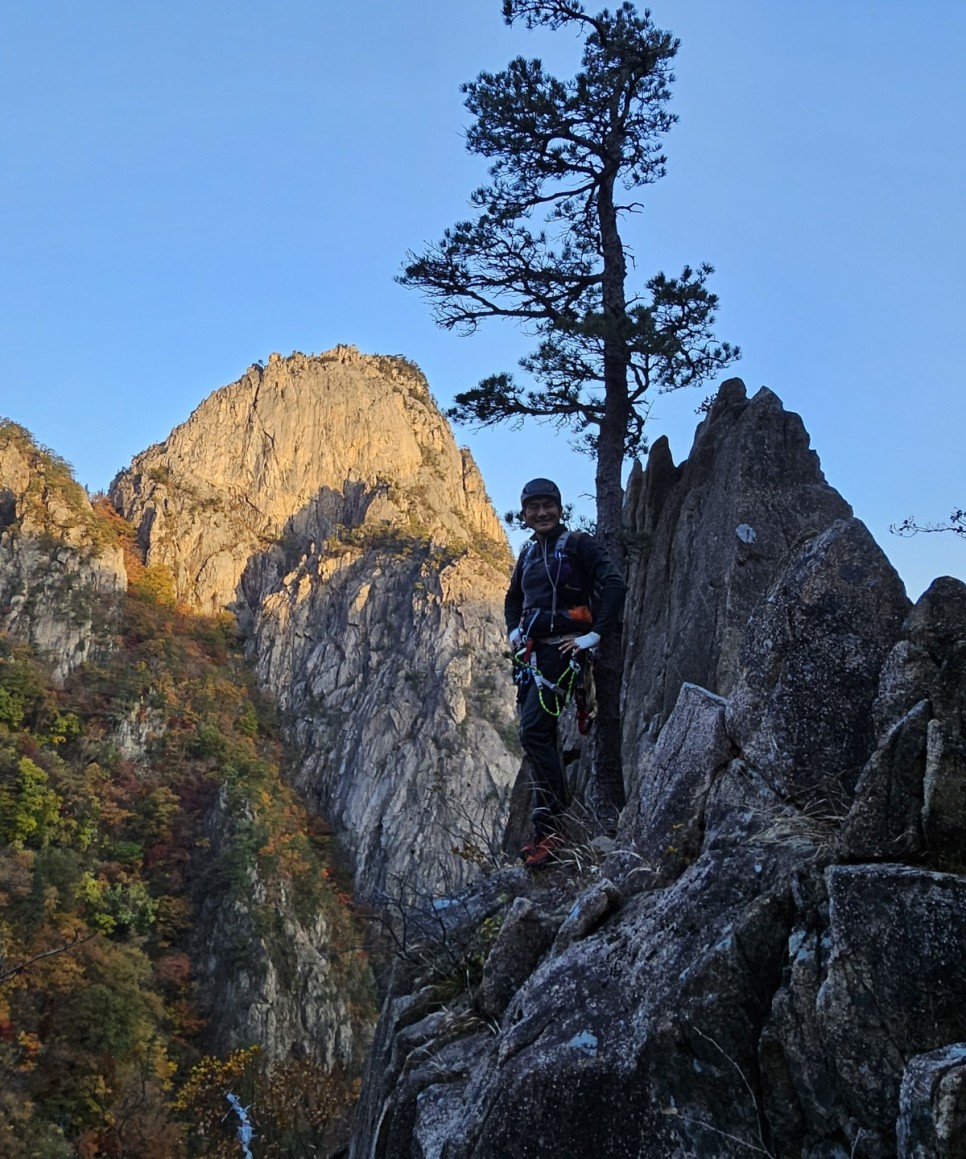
909, 527
76, 940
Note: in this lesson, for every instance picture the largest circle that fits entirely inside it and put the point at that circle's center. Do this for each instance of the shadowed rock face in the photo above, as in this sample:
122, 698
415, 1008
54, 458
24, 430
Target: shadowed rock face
801, 708
707, 538
771, 959
324, 501
911, 796
932, 1118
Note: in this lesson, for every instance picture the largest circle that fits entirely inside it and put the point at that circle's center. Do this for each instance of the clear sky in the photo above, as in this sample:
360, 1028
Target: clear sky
189, 185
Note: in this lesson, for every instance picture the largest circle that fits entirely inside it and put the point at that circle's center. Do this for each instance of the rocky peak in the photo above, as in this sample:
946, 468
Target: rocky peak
302, 447
324, 500
707, 539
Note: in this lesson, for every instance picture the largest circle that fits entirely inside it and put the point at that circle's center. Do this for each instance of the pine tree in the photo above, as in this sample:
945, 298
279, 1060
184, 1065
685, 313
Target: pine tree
545, 247
567, 158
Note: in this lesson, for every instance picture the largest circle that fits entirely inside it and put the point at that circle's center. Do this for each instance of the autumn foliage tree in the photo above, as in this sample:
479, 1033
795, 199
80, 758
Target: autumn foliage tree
104, 866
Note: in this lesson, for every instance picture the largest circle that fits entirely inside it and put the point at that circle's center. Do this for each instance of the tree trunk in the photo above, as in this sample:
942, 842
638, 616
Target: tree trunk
616, 415
608, 763
608, 671
609, 796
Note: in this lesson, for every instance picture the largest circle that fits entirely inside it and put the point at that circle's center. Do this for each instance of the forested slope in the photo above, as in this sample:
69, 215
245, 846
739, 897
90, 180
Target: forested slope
147, 839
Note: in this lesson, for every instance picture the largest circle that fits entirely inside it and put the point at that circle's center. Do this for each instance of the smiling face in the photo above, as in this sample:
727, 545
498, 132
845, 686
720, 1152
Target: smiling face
542, 515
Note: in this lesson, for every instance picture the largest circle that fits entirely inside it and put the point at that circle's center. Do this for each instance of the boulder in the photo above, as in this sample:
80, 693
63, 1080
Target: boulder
525, 936
885, 820
664, 819
932, 1105
911, 797
880, 982
801, 708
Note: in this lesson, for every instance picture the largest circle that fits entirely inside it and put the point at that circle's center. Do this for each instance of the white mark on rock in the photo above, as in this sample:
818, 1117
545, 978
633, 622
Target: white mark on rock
585, 1042
746, 533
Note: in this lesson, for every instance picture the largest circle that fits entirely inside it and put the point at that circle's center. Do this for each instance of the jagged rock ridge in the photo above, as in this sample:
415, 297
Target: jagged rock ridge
708, 537
770, 959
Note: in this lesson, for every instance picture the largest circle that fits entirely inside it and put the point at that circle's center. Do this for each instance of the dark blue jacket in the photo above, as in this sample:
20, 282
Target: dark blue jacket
552, 582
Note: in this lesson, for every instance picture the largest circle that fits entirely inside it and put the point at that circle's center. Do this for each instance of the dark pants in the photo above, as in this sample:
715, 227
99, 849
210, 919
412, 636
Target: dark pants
538, 735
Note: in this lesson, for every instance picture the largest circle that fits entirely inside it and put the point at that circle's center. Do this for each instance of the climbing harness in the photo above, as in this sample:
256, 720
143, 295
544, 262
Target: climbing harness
576, 680
525, 670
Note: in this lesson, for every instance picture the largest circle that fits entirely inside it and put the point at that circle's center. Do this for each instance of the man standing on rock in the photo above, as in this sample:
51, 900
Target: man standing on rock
564, 595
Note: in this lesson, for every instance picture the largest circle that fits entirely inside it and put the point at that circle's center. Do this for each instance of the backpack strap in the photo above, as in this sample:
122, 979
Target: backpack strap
559, 548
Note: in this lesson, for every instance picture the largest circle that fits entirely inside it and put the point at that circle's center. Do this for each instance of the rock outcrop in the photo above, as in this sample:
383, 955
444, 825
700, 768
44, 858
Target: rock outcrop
801, 708
324, 501
770, 959
60, 571
708, 538
911, 798
271, 971
294, 452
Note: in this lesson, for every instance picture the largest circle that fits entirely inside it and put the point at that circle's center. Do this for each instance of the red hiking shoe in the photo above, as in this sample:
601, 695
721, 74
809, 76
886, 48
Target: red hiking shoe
544, 850
528, 848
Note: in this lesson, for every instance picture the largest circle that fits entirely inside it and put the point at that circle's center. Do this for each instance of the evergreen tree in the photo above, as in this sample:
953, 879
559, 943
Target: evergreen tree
545, 246
545, 249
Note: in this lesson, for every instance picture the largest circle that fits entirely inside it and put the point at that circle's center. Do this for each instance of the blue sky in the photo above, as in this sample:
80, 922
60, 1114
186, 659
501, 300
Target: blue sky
189, 185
